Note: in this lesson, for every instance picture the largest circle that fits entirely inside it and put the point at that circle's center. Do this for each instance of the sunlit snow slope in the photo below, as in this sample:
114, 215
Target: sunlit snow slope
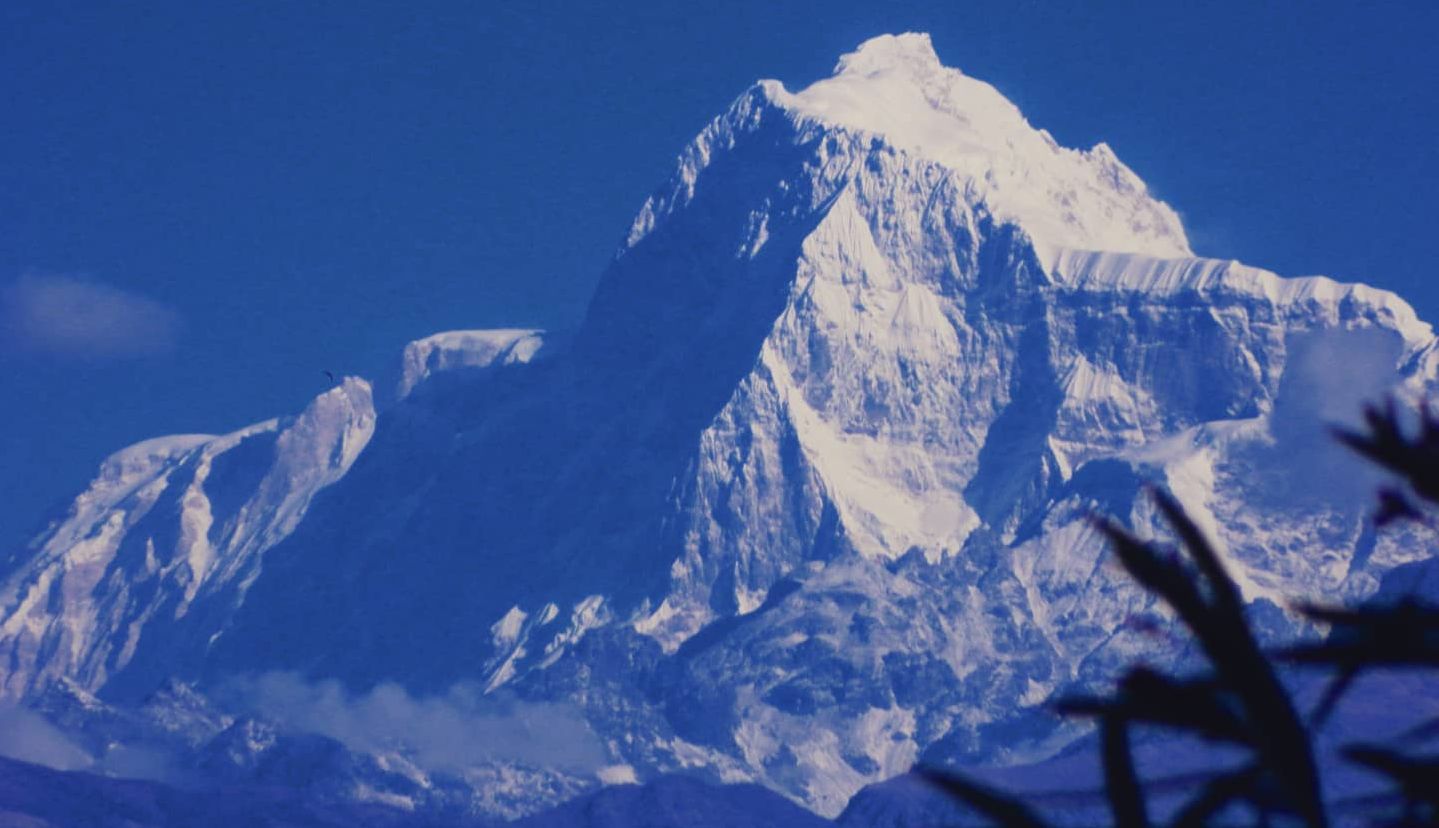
806, 495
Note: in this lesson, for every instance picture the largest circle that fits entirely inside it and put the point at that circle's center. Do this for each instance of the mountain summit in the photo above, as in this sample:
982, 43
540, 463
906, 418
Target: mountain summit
895, 87
806, 495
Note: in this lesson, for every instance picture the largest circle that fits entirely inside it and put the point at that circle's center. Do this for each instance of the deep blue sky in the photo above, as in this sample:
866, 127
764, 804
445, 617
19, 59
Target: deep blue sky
264, 194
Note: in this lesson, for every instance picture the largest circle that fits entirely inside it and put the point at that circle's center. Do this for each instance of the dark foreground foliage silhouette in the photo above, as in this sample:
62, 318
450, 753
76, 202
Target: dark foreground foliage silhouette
1241, 701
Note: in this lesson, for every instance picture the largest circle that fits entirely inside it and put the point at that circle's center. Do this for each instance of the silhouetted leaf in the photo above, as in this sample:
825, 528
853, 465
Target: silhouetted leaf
1405, 634
1225, 594
1394, 506
1415, 459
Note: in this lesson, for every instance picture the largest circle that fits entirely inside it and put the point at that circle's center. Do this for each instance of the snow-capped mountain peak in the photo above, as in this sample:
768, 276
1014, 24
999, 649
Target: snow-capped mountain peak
911, 52
808, 493
895, 87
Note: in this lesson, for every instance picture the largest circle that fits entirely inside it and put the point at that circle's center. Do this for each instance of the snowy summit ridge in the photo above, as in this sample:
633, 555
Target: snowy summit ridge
895, 86
806, 497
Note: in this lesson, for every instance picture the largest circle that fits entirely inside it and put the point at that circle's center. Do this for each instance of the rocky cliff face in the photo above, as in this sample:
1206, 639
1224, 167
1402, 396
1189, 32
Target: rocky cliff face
807, 494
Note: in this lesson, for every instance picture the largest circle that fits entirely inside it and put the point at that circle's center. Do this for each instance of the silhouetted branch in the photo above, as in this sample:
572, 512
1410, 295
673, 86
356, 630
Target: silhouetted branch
1243, 702
1405, 634
1121, 781
1276, 732
1218, 794
1149, 697
1416, 778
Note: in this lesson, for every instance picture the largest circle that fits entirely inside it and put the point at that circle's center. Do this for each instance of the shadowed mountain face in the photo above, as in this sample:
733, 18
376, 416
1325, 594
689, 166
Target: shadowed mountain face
552, 481
806, 494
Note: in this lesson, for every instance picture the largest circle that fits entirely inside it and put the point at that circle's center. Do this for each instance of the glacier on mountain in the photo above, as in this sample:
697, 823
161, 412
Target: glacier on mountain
805, 497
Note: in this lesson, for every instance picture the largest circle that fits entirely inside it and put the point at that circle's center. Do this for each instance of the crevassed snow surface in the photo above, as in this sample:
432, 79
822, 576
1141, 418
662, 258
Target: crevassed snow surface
807, 495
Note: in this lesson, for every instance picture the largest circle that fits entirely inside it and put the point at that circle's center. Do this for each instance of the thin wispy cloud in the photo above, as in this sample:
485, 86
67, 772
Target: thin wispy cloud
29, 737
80, 317
451, 730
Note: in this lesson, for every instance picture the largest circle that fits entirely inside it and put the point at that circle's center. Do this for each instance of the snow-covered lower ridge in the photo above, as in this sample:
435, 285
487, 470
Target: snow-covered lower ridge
808, 495
1106, 271
176, 519
166, 539
453, 350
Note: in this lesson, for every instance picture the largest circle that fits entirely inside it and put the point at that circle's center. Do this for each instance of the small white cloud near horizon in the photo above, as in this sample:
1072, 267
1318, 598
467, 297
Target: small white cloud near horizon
80, 317
452, 730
